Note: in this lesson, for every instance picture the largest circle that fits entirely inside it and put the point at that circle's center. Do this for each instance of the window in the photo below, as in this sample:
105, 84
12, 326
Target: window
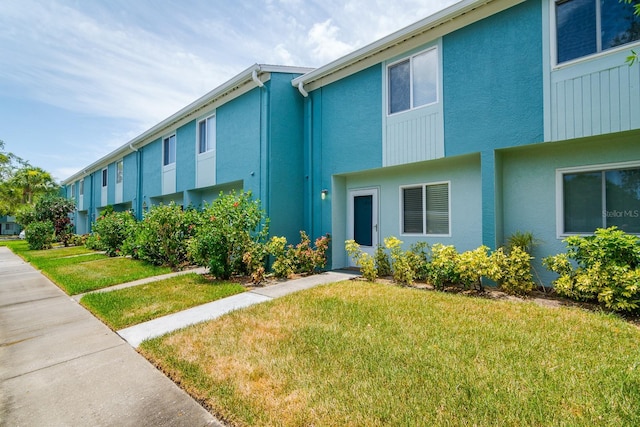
207, 134
425, 209
599, 199
72, 191
81, 187
413, 82
104, 177
119, 171
169, 150
584, 27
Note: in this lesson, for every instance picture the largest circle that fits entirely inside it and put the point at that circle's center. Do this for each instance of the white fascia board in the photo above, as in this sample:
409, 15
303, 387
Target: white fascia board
238, 85
465, 8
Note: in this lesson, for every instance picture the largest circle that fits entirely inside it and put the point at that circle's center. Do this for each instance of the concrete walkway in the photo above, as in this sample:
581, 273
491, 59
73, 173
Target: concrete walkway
60, 366
157, 327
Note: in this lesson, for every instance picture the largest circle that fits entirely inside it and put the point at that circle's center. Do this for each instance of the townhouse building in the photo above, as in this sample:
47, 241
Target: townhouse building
484, 119
244, 134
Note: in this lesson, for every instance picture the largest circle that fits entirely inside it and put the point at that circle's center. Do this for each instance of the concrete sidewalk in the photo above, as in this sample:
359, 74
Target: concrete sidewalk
60, 366
157, 327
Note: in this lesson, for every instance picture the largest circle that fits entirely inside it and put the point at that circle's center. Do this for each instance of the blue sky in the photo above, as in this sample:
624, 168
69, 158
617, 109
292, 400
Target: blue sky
79, 78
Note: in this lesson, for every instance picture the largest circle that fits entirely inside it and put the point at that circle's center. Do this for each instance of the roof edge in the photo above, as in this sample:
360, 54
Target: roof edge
220, 91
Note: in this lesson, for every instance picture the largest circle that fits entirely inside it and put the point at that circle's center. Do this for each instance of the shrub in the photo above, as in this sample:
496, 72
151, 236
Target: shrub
52, 208
110, 231
606, 269
302, 258
39, 235
443, 267
78, 239
161, 237
473, 265
382, 263
363, 260
513, 271
230, 227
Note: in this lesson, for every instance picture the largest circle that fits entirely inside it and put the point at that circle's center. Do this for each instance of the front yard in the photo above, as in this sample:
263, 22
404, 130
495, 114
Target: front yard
358, 353
366, 354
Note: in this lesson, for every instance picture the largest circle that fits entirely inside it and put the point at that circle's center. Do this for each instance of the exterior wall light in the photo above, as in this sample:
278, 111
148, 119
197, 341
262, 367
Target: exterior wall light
323, 194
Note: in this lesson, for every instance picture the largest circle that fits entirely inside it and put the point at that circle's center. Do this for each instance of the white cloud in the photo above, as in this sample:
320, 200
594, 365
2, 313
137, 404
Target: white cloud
324, 42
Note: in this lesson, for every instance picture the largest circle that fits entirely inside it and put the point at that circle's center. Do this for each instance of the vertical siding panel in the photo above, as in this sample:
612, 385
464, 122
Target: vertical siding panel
586, 105
578, 107
614, 93
596, 116
625, 105
570, 124
605, 99
634, 89
560, 93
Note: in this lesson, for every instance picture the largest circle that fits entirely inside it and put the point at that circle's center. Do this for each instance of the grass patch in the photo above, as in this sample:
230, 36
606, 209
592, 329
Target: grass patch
125, 307
365, 354
83, 274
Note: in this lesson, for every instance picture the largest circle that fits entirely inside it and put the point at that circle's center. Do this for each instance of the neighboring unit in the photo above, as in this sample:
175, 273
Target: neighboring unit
245, 134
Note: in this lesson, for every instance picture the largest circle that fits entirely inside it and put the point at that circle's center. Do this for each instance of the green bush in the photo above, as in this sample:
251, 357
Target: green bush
161, 237
403, 263
382, 262
302, 258
513, 270
603, 267
110, 231
39, 235
443, 267
52, 208
230, 227
363, 260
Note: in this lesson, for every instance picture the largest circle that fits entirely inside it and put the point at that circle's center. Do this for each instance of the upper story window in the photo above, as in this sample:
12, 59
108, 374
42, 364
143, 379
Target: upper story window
81, 187
207, 134
425, 209
119, 171
413, 82
599, 198
585, 27
105, 173
72, 190
169, 150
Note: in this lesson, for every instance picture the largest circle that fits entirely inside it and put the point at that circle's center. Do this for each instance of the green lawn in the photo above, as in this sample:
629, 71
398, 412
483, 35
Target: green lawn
362, 354
125, 307
84, 274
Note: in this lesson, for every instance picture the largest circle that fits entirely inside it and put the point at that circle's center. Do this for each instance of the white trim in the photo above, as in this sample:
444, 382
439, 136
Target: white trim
410, 58
375, 211
553, 42
560, 233
424, 209
206, 118
164, 138
102, 177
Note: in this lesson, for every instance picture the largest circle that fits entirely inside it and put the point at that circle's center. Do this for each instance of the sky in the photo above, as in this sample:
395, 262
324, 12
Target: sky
80, 78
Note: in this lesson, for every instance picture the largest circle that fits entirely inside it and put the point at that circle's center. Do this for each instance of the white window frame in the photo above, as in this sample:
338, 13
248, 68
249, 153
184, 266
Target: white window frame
119, 171
410, 58
81, 187
424, 208
164, 149
73, 190
560, 233
599, 52
211, 139
105, 177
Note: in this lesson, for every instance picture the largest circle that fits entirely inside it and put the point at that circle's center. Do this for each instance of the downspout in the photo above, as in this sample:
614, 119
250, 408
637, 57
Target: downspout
254, 77
301, 90
138, 206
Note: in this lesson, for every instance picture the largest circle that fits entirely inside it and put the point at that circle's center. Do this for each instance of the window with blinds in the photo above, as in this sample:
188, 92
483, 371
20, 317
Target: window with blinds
425, 209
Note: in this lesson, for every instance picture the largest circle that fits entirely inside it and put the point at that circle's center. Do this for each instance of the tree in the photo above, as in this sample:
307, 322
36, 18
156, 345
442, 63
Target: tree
636, 5
20, 183
51, 208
